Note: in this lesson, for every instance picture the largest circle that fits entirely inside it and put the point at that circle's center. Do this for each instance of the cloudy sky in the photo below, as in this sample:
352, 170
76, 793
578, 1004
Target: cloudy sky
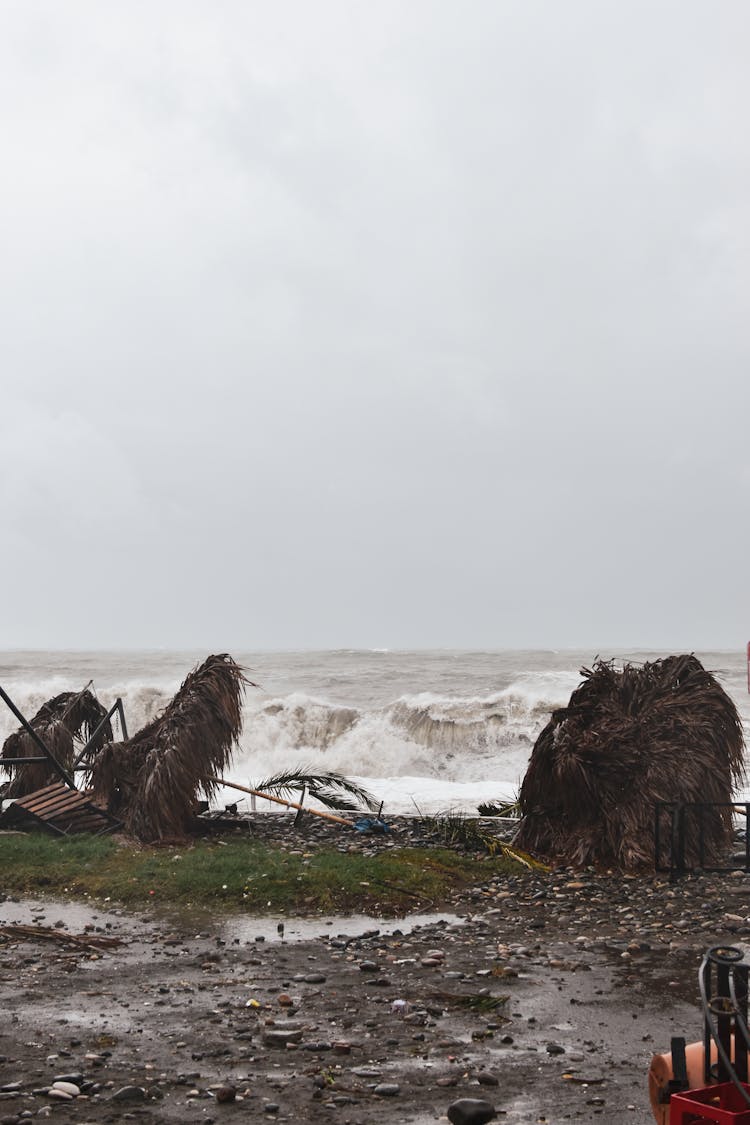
400, 324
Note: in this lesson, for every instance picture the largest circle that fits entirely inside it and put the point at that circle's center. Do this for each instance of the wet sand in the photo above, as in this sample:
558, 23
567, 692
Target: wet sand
599, 972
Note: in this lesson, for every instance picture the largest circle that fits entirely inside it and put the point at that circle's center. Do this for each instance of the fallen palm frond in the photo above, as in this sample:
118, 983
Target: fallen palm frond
663, 731
152, 780
62, 723
508, 810
510, 851
332, 790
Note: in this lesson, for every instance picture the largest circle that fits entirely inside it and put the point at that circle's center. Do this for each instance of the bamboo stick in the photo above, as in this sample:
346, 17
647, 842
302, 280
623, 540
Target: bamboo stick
279, 800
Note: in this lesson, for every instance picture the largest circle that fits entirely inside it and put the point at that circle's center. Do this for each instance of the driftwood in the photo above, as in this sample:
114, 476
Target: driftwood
62, 723
152, 780
84, 941
663, 731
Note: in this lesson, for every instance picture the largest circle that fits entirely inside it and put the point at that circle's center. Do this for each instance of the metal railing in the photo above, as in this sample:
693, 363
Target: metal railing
686, 833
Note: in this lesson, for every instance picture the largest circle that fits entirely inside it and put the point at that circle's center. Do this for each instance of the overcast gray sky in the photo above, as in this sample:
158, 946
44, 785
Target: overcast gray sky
399, 324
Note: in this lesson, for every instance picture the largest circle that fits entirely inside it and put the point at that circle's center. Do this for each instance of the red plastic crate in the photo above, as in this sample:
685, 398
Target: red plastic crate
723, 1104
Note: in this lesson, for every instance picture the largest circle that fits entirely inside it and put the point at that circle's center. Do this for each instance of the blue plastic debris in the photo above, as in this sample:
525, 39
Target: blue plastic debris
371, 824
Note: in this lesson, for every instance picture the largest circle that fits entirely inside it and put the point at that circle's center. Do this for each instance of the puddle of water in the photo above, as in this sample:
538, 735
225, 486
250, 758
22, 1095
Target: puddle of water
330, 926
75, 916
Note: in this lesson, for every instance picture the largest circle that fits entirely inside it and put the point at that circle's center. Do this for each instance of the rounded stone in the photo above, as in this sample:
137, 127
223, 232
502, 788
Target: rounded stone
471, 1111
387, 1089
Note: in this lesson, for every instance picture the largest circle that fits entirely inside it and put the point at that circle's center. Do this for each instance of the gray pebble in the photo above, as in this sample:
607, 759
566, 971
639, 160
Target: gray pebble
129, 1094
470, 1111
387, 1089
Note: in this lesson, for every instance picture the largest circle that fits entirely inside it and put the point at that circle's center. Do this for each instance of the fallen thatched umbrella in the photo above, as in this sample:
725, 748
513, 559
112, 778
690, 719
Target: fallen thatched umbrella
62, 723
151, 781
662, 731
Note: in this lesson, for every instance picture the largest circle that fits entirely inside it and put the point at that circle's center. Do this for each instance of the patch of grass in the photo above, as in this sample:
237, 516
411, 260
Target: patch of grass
239, 875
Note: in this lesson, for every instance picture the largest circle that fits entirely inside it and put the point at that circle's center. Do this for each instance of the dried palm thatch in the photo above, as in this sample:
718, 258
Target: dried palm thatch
152, 780
663, 731
62, 723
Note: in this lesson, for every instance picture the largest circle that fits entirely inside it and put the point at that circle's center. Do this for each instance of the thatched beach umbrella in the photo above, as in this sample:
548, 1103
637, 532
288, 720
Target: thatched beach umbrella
663, 731
61, 723
152, 780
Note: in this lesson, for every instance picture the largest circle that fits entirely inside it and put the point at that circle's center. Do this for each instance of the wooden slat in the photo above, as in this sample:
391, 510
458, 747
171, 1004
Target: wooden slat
47, 791
42, 795
51, 798
57, 804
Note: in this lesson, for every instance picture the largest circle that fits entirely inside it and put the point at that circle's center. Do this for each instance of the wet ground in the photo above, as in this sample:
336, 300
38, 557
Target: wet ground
545, 996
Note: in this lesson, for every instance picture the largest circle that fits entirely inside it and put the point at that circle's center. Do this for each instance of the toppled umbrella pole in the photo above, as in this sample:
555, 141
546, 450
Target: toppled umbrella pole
151, 781
278, 800
329, 788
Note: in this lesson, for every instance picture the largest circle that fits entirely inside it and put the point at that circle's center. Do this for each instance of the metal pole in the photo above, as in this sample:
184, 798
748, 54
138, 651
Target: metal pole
123, 724
59, 769
84, 752
20, 761
657, 836
701, 838
681, 814
740, 1046
707, 988
724, 1019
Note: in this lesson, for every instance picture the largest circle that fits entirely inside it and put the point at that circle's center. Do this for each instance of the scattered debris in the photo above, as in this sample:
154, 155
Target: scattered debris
48, 933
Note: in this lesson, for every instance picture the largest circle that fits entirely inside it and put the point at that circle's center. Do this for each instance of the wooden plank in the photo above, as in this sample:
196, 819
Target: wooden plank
48, 789
57, 804
69, 796
42, 795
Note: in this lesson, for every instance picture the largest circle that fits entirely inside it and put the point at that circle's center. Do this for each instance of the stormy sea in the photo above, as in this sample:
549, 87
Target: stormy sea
424, 730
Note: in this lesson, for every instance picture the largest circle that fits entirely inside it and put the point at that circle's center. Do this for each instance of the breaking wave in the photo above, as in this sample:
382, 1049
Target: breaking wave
461, 739
421, 735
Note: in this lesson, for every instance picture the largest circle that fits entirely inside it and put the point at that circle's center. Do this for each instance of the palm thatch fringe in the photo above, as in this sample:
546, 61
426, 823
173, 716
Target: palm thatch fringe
152, 780
62, 723
663, 731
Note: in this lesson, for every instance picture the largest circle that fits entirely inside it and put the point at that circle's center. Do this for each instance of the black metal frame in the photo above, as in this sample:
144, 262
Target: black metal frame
677, 835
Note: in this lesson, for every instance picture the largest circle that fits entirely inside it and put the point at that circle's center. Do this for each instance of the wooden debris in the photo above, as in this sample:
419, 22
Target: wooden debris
48, 933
